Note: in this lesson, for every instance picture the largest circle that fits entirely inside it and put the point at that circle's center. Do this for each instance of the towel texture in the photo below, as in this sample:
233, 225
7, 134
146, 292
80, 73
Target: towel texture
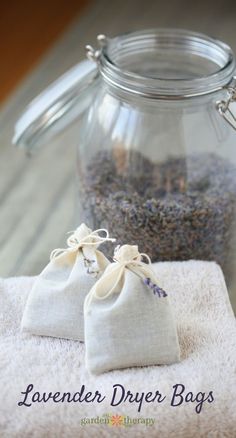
207, 335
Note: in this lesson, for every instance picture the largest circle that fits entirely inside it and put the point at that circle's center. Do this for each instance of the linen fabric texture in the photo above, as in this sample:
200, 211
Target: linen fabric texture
55, 303
126, 324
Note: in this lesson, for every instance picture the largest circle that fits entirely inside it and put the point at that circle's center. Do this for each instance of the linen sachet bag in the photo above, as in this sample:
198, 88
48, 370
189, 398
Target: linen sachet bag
55, 303
128, 318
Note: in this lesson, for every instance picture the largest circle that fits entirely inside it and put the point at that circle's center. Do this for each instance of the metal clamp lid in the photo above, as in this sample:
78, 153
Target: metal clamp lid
94, 54
227, 108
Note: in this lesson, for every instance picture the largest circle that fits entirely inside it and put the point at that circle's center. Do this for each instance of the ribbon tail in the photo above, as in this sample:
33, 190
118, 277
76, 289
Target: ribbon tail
57, 252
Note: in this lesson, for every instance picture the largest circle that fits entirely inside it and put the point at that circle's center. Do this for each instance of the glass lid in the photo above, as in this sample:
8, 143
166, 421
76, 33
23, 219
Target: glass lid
57, 106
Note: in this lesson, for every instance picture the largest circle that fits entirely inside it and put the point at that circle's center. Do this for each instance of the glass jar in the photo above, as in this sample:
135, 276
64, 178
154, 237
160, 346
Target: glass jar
156, 147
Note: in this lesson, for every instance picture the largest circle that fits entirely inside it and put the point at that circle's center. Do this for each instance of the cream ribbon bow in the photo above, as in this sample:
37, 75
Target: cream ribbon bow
128, 256
125, 257
82, 236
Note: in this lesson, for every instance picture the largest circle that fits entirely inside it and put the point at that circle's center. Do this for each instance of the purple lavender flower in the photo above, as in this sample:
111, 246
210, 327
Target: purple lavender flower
160, 292
156, 289
147, 281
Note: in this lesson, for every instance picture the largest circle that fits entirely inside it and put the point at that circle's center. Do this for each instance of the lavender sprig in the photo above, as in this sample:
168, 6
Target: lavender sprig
156, 289
89, 265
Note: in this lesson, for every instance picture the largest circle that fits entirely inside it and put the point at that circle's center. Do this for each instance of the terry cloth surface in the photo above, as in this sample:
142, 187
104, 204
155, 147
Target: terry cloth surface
207, 335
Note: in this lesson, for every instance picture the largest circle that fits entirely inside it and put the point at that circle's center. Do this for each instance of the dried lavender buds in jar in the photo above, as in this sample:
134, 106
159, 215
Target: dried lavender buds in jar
180, 209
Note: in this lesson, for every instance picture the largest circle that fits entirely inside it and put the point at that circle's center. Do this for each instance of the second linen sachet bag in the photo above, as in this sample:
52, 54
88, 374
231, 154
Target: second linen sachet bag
128, 318
55, 303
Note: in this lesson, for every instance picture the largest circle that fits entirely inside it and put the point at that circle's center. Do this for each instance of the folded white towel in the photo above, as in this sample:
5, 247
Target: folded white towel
207, 335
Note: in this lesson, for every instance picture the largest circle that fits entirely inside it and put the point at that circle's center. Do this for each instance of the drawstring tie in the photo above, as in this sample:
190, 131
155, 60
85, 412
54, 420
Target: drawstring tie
143, 270
125, 257
76, 242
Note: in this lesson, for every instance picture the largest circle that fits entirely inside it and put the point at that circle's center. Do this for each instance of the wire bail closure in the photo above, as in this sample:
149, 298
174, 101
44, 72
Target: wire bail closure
94, 54
223, 106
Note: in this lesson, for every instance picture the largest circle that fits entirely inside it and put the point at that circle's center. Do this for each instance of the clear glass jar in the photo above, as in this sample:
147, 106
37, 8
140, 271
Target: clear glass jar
156, 150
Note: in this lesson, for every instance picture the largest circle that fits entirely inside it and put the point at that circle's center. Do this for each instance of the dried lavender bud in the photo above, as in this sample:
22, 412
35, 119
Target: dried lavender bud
147, 281
180, 209
89, 265
160, 292
156, 289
